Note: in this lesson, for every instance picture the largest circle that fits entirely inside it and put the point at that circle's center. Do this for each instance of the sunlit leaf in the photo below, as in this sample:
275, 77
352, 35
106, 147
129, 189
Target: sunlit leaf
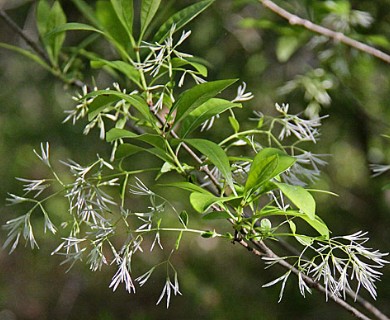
300, 197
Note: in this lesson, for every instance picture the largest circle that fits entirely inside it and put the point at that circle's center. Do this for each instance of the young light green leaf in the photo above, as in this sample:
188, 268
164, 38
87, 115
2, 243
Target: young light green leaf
300, 197
180, 19
196, 96
286, 46
148, 11
316, 224
204, 112
201, 201
125, 13
216, 156
235, 124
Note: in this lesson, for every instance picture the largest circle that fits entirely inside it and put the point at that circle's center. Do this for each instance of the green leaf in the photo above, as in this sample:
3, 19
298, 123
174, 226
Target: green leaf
317, 223
196, 96
135, 100
87, 11
73, 26
261, 171
47, 20
200, 68
113, 27
125, 13
180, 19
204, 112
216, 155
42, 15
286, 47
126, 150
148, 11
184, 218
116, 133
267, 164
127, 69
300, 197
27, 54
201, 201
188, 186
216, 215
235, 124
99, 104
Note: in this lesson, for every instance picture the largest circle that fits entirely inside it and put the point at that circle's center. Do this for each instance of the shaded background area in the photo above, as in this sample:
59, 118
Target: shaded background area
219, 280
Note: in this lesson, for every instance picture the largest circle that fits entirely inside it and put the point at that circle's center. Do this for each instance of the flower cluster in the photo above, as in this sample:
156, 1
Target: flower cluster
337, 263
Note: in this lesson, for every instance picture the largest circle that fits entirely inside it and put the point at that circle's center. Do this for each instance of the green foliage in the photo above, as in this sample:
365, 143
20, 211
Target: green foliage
253, 180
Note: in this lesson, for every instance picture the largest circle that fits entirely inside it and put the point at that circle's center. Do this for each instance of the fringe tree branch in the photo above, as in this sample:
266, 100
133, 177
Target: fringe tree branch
258, 247
337, 36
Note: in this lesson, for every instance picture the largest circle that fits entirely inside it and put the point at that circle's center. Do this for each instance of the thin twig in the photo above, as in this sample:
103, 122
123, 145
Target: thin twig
25, 37
337, 36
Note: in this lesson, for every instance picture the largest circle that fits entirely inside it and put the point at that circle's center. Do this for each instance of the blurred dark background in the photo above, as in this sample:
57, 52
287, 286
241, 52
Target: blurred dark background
219, 280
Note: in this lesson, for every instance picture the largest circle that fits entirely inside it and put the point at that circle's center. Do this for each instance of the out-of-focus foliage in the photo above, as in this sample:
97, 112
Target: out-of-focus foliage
279, 63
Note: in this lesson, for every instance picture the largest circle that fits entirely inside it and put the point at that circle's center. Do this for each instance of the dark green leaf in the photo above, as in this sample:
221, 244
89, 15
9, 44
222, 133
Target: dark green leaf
216, 215
196, 96
267, 164
99, 104
184, 218
204, 112
112, 25
216, 156
125, 13
300, 197
180, 19
87, 11
116, 133
135, 100
126, 149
